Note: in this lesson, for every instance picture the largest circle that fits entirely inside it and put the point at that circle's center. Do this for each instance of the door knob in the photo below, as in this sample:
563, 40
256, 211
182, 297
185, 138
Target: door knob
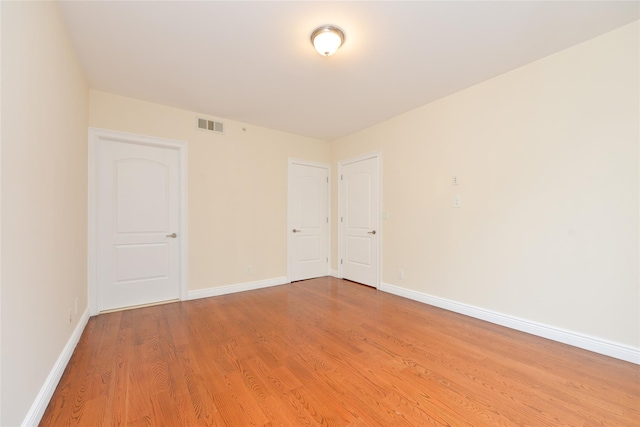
371, 232
296, 231
172, 235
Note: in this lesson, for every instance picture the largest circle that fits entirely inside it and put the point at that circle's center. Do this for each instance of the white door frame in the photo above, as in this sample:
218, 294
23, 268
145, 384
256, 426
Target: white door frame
95, 136
374, 154
290, 257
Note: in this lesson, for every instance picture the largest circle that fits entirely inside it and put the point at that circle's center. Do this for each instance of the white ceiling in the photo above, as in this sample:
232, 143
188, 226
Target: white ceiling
253, 62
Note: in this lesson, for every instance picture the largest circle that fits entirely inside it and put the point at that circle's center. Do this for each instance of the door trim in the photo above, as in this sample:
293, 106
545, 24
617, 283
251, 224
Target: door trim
95, 136
290, 163
371, 155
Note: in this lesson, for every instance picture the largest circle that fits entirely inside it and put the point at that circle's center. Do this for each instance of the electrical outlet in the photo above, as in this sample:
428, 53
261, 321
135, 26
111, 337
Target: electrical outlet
457, 202
249, 270
401, 273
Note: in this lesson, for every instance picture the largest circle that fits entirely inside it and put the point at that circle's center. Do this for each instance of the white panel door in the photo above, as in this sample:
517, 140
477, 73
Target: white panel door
138, 214
308, 220
359, 221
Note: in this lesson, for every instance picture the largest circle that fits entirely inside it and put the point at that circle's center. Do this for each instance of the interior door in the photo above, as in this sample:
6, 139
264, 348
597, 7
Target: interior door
137, 222
308, 220
359, 206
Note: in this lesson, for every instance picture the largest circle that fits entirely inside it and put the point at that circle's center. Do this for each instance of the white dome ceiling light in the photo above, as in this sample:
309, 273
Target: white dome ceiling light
327, 39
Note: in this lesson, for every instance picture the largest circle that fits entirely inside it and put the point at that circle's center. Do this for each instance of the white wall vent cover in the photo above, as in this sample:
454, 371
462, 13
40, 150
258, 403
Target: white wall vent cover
210, 125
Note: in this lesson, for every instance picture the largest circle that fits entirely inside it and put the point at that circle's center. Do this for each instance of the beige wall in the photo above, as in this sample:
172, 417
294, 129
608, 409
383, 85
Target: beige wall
547, 157
237, 187
44, 198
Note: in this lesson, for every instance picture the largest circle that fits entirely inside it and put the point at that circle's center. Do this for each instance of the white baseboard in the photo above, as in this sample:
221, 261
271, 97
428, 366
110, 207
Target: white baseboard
334, 273
239, 287
597, 345
46, 391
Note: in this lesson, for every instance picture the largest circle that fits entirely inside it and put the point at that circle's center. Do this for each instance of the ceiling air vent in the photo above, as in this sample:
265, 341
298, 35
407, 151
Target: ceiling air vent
210, 125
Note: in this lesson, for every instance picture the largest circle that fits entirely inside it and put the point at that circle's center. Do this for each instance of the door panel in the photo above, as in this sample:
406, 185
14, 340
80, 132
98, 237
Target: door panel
309, 204
308, 216
141, 262
358, 206
310, 248
141, 196
360, 234
138, 210
359, 250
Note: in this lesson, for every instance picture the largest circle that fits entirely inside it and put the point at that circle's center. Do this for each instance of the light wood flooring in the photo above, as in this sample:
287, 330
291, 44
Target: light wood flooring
328, 352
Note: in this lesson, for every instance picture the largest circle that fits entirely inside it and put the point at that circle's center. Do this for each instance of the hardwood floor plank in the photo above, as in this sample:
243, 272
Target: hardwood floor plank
328, 352
117, 393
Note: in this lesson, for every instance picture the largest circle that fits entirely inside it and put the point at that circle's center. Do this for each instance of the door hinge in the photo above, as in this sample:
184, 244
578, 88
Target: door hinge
341, 261
327, 259
341, 177
327, 220
341, 220
327, 180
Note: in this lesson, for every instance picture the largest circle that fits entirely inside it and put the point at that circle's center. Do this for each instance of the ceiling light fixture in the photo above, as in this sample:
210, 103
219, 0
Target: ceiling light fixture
327, 39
